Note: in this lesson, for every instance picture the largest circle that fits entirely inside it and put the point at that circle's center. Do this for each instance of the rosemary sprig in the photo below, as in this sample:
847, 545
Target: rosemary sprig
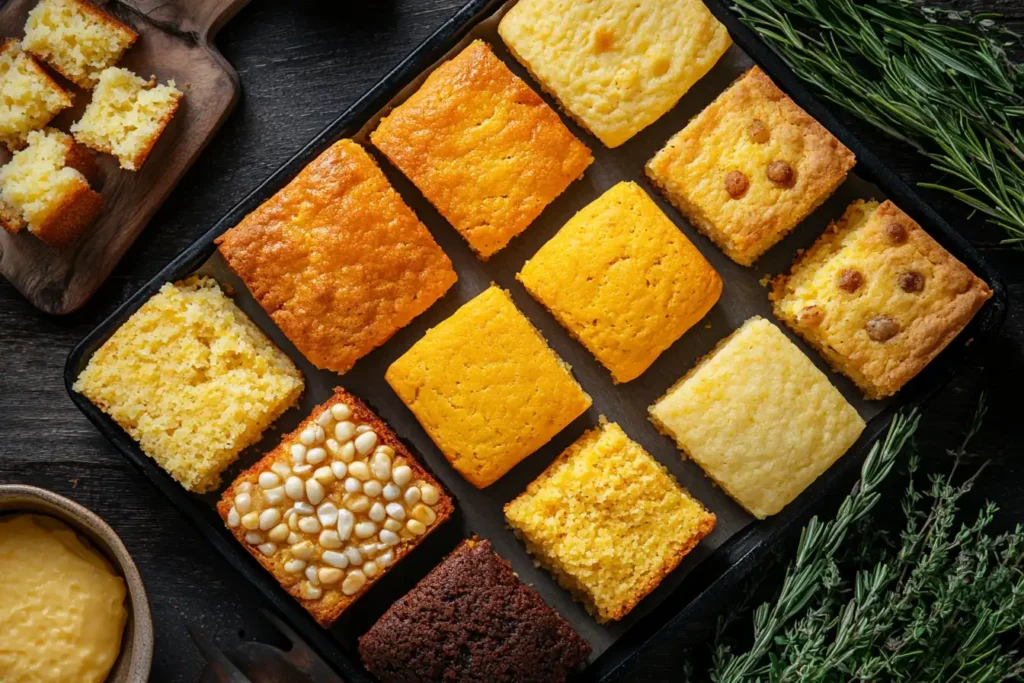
940, 80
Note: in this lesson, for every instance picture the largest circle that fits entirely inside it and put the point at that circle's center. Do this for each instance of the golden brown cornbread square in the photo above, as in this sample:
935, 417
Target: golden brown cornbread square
759, 418
615, 66
878, 297
608, 521
334, 506
750, 167
192, 380
337, 259
487, 388
29, 97
482, 147
623, 280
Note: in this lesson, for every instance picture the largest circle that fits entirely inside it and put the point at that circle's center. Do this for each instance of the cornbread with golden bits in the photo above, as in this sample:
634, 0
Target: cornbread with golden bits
623, 280
482, 147
45, 187
76, 38
608, 521
127, 116
878, 297
333, 507
337, 259
192, 380
750, 167
759, 418
616, 66
29, 98
487, 388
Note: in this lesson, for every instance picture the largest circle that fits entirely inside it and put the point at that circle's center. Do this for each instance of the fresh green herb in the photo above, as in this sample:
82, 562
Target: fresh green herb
940, 80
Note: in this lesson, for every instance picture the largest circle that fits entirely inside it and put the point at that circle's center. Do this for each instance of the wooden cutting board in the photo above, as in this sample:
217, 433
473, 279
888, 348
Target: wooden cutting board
175, 42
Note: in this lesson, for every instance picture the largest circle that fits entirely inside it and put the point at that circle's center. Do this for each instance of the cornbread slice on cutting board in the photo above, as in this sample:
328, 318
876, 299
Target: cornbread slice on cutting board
623, 280
878, 297
759, 418
29, 98
616, 66
487, 388
750, 167
333, 507
337, 259
608, 521
192, 379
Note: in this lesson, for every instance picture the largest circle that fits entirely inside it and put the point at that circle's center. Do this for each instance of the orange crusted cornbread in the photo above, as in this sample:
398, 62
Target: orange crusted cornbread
750, 167
609, 521
623, 280
878, 297
487, 388
482, 147
337, 259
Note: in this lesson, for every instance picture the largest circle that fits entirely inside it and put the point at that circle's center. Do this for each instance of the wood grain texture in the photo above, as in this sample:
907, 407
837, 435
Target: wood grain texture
301, 63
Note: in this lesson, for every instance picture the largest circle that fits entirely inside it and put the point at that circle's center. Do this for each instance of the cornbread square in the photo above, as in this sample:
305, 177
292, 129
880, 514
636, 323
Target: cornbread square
482, 147
126, 116
623, 280
29, 98
45, 187
192, 379
608, 521
750, 167
472, 619
76, 38
616, 66
759, 418
487, 388
878, 297
337, 258
334, 506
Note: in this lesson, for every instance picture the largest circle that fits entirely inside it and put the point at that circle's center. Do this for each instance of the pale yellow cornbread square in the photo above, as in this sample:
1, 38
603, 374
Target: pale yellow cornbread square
778, 161
608, 521
487, 388
29, 97
759, 418
623, 280
192, 379
616, 66
878, 297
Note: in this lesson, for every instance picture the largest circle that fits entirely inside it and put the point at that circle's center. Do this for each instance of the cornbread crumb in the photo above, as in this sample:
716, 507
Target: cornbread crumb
878, 297
759, 418
192, 379
608, 521
623, 280
126, 116
29, 98
76, 38
616, 66
487, 388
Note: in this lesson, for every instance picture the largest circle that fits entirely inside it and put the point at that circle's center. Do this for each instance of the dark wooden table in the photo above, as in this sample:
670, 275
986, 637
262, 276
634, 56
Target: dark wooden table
301, 63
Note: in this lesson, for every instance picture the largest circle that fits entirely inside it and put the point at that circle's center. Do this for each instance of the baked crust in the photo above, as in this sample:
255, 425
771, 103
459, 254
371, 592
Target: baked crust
67, 222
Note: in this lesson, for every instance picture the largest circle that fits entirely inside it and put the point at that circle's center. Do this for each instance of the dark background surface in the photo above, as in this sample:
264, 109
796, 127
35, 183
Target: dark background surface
301, 63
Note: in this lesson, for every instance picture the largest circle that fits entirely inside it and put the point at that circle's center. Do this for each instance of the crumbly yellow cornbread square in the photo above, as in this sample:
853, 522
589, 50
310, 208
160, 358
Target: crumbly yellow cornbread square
616, 66
29, 98
759, 418
482, 147
608, 521
192, 379
337, 259
487, 388
623, 280
750, 167
878, 297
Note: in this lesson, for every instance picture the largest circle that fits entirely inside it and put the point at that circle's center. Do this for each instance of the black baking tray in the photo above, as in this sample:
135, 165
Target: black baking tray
711, 582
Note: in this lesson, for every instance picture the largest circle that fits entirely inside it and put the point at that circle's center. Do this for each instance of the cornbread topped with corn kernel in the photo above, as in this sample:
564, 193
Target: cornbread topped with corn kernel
192, 379
750, 167
334, 506
878, 297
623, 280
759, 418
29, 98
608, 521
